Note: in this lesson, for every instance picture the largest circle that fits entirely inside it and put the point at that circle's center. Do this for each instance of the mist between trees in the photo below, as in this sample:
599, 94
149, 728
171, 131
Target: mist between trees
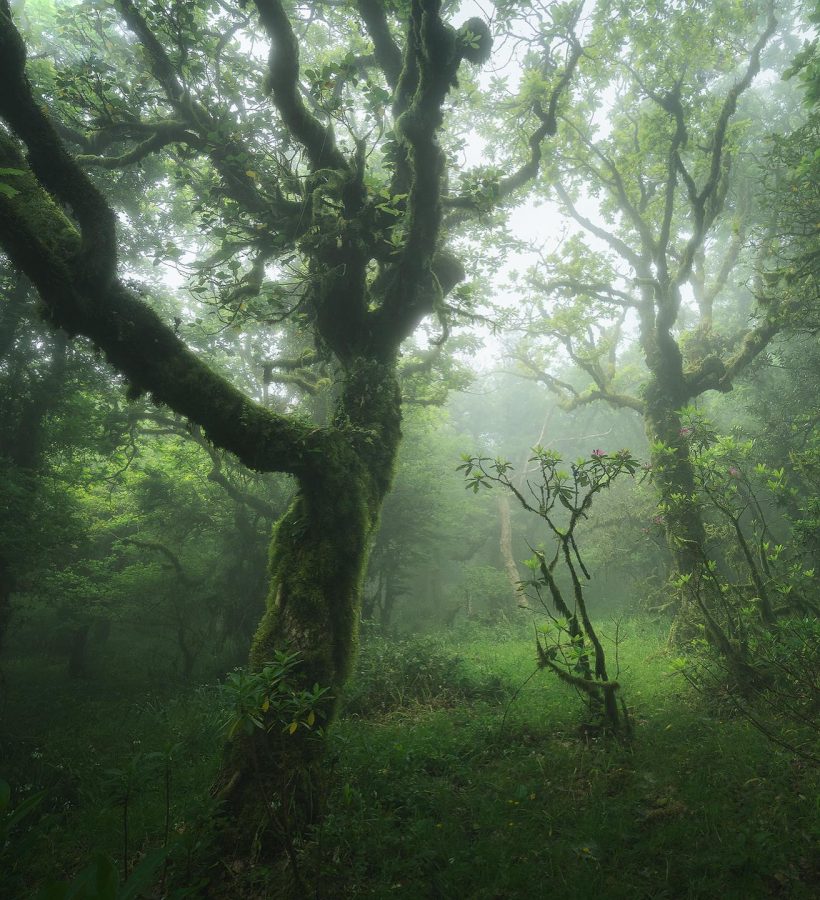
267, 309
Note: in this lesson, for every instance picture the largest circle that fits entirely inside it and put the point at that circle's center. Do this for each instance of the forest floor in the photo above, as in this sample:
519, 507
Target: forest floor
447, 779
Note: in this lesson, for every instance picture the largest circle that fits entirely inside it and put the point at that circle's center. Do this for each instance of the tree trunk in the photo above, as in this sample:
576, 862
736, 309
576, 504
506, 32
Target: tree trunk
666, 394
389, 597
269, 778
674, 477
505, 543
6, 590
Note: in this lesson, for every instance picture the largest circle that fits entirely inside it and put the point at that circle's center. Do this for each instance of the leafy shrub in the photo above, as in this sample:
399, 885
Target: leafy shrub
780, 694
395, 674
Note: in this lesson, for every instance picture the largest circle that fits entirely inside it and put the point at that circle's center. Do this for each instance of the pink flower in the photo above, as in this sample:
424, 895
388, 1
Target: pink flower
734, 472
598, 453
685, 432
658, 520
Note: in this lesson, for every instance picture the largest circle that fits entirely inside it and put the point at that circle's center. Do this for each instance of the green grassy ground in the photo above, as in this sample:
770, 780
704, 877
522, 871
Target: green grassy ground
440, 787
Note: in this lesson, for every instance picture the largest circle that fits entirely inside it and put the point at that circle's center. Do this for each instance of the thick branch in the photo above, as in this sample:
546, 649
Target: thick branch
172, 558
50, 161
227, 154
283, 81
616, 400
42, 243
165, 133
387, 52
754, 342
671, 103
161, 66
421, 278
598, 290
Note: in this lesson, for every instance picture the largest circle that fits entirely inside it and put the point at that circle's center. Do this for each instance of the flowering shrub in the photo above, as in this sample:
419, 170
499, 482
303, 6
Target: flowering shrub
562, 498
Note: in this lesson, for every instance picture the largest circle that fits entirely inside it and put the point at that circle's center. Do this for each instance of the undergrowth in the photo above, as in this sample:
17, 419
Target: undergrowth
451, 774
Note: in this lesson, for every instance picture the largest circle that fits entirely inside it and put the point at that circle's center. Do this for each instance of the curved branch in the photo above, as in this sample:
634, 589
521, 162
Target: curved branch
622, 249
548, 127
672, 104
227, 154
387, 53
318, 140
708, 202
163, 551
165, 133
50, 161
420, 279
619, 401
616, 183
44, 244
753, 343
597, 290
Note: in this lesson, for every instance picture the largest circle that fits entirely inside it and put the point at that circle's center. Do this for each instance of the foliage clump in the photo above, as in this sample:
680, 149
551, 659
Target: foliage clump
392, 675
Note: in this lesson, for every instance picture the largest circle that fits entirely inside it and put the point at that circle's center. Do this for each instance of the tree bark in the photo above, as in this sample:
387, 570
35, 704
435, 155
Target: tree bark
269, 778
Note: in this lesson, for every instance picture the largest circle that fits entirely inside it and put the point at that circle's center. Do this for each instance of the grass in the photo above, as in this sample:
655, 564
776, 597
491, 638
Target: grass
440, 787
436, 802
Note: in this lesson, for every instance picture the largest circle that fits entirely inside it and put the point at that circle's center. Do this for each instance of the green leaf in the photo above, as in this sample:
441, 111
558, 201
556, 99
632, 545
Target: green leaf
23, 809
143, 875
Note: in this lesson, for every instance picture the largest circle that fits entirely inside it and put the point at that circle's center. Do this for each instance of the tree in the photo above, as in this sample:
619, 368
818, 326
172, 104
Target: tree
672, 224
323, 190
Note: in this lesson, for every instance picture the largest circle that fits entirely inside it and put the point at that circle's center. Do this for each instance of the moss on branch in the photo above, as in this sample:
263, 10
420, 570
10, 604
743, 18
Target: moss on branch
283, 83
46, 245
51, 163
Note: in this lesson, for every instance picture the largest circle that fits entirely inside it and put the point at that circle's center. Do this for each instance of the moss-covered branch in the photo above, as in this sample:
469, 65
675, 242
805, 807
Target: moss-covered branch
613, 398
753, 343
164, 133
318, 140
46, 246
50, 161
387, 53
417, 282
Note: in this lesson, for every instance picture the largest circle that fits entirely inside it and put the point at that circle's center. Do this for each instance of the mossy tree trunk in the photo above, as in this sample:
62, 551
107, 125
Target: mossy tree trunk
666, 393
318, 556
